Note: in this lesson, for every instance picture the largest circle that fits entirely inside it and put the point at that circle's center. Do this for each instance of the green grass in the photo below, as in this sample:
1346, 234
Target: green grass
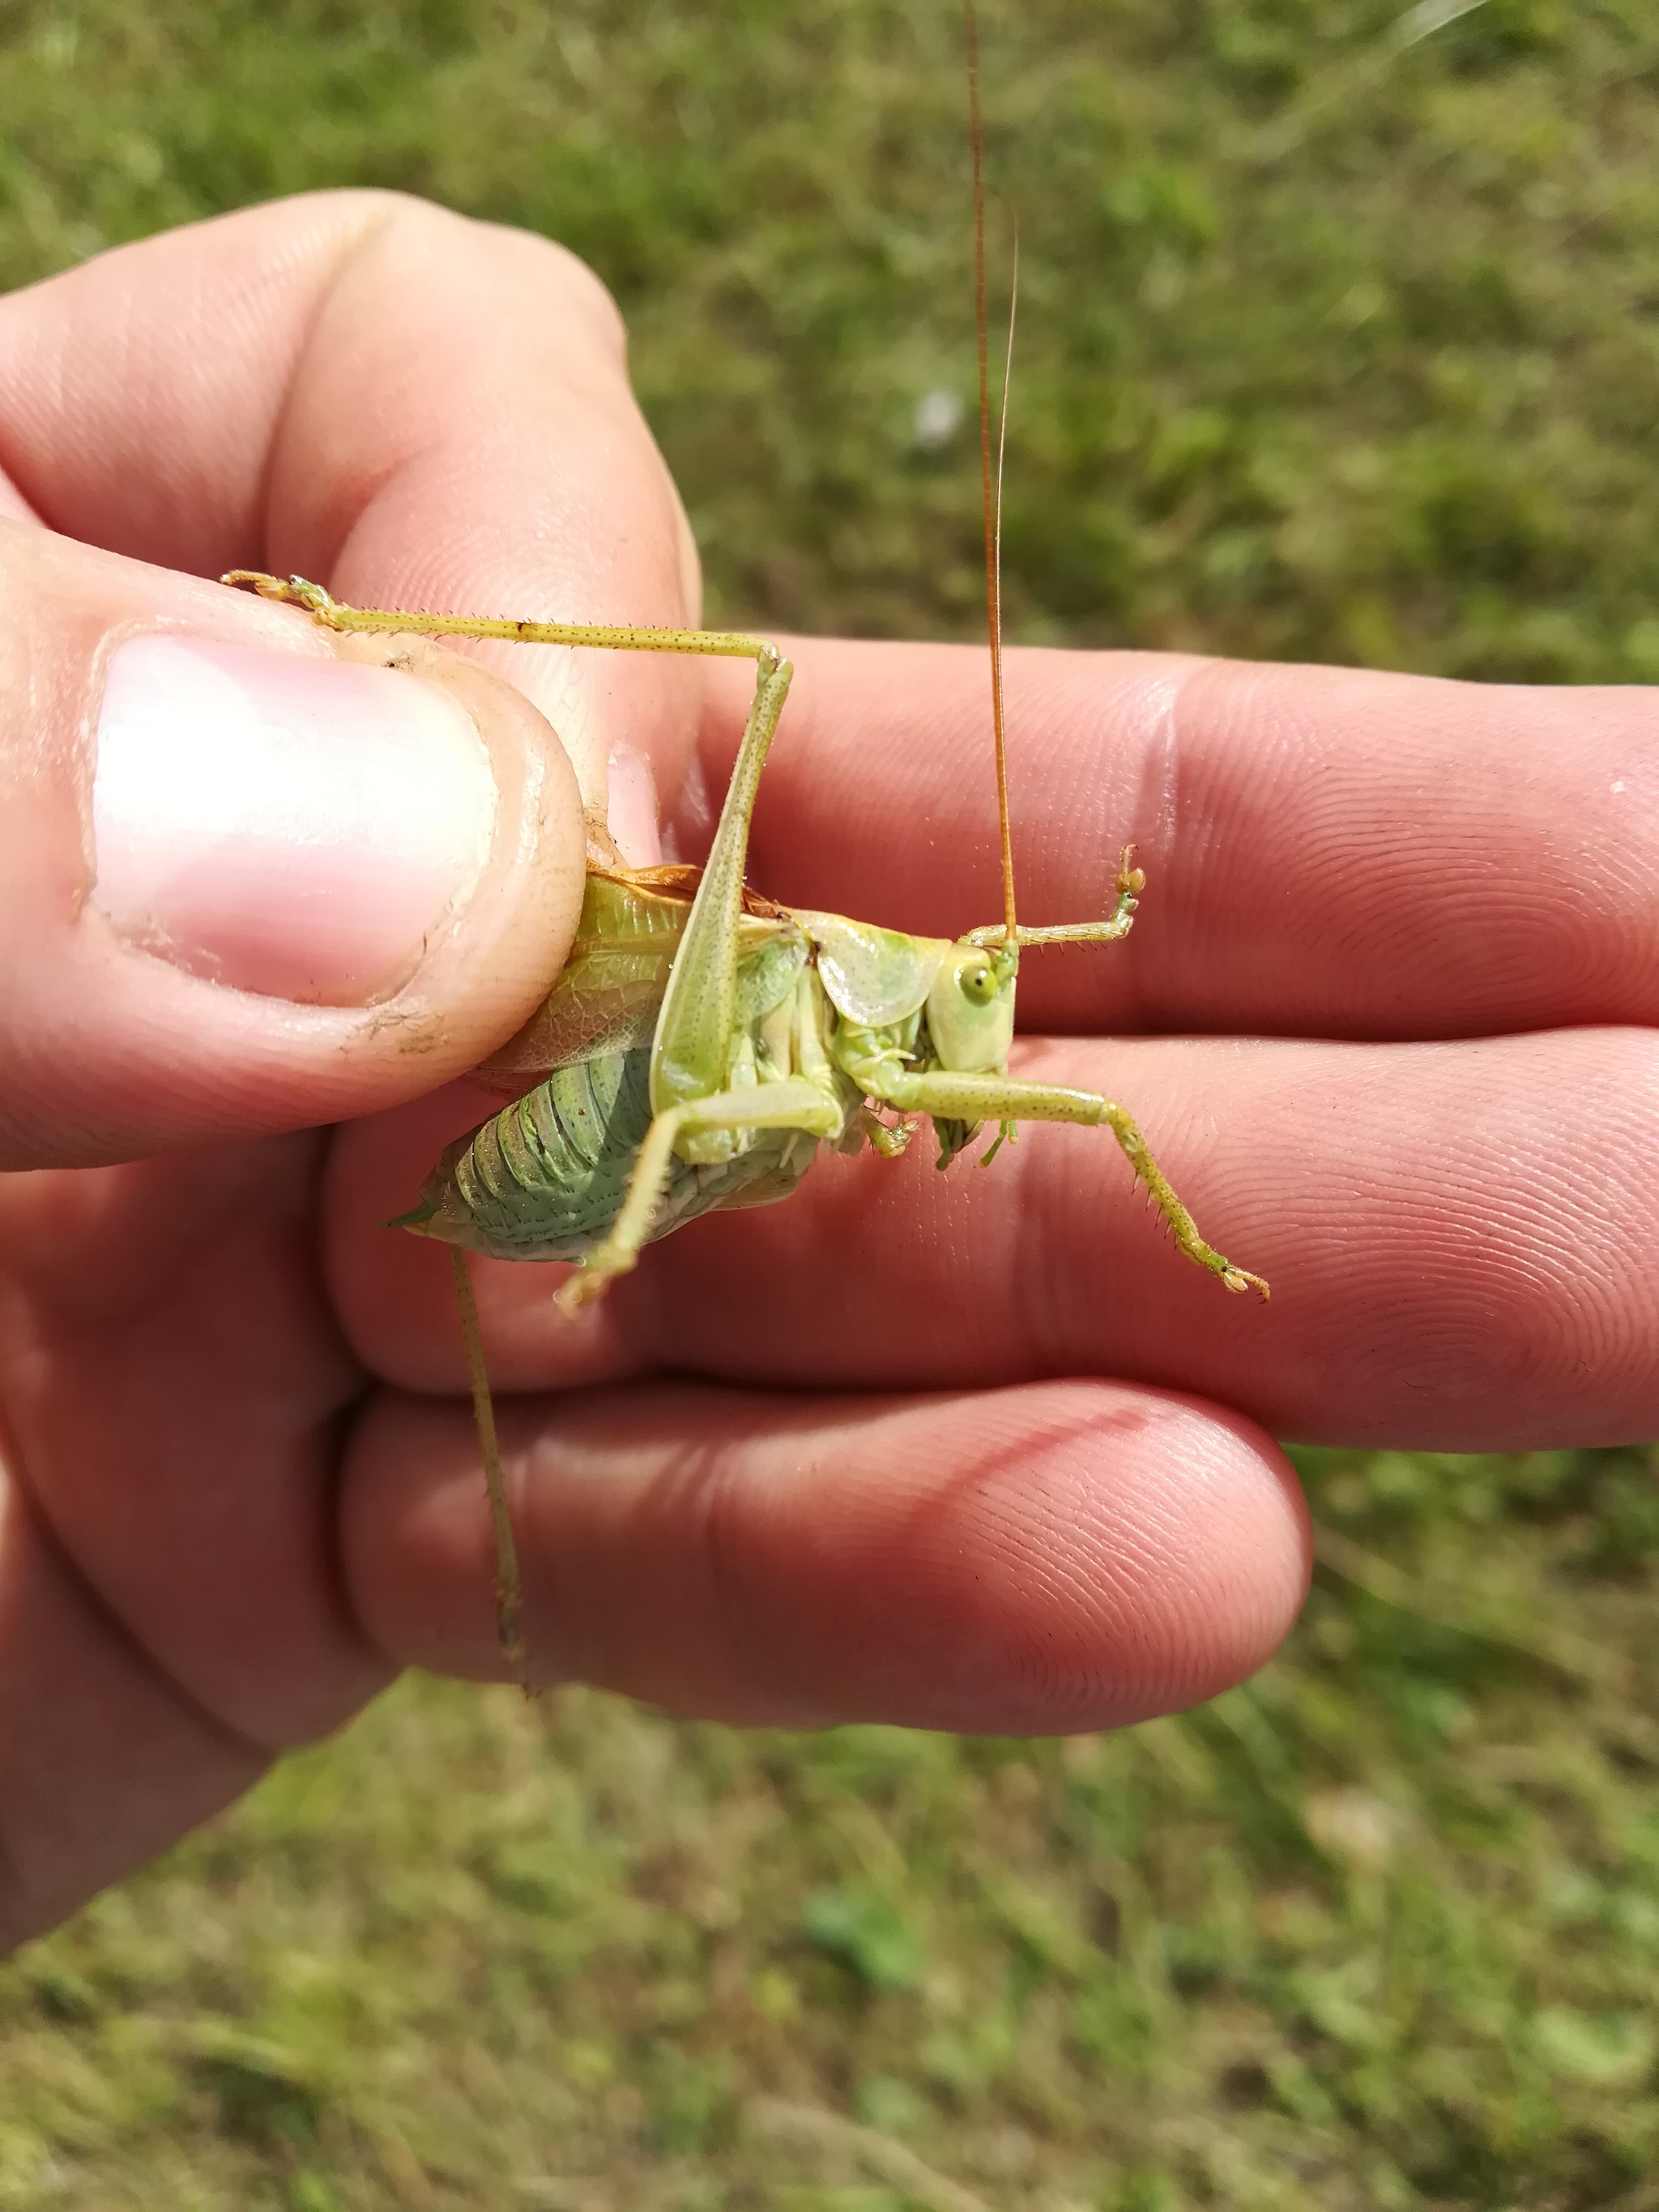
1381, 1928
1325, 351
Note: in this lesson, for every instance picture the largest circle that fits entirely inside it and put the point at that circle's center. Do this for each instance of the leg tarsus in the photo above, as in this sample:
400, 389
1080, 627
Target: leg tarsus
1181, 1225
592, 1278
285, 592
1007, 1134
889, 1140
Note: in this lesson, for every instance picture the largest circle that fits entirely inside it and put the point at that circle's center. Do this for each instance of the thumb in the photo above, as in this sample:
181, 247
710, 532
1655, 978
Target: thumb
252, 878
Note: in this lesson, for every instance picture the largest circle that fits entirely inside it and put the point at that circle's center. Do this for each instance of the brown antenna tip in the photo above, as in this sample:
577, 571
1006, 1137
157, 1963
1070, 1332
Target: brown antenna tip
990, 477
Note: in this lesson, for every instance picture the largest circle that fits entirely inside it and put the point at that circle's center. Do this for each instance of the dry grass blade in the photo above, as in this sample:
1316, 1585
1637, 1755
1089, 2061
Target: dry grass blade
877, 2153
1575, 1656
1332, 86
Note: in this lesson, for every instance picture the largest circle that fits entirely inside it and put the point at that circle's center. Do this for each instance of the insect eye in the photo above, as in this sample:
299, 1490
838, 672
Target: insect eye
979, 985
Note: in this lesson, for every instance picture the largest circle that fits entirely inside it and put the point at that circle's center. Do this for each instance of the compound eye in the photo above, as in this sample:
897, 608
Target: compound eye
971, 1012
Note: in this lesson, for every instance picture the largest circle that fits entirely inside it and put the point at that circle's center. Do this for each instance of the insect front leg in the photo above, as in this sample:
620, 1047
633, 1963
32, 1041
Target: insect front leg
1131, 882
790, 1105
992, 1097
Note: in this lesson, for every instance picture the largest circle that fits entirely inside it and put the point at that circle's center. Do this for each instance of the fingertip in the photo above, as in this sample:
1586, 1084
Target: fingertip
272, 886
1133, 1552
1049, 1559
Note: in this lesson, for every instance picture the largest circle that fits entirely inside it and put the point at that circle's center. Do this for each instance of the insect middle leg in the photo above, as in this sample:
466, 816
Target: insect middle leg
952, 1097
790, 1105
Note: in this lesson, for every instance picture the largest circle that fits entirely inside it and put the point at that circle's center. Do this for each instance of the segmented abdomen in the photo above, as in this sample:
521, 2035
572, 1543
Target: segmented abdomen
545, 1179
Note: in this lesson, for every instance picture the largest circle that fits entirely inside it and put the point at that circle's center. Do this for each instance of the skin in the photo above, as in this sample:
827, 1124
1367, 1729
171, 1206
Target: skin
977, 1452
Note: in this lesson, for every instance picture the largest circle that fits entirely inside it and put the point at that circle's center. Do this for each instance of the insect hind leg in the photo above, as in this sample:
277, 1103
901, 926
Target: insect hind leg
948, 1097
509, 1588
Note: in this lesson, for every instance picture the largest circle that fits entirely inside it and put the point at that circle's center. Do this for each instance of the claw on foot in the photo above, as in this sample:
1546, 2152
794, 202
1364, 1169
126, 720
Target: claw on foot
1240, 1279
286, 591
887, 1140
590, 1281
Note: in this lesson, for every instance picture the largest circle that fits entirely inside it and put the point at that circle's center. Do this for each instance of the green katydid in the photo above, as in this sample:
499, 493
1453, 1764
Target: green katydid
701, 1042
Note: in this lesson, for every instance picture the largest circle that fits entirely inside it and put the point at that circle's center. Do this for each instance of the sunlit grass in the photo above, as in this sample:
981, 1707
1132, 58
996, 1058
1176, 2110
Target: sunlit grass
1380, 1927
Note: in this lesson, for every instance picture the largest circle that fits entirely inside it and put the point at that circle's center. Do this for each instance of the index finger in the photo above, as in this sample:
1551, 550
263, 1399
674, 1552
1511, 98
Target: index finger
1329, 852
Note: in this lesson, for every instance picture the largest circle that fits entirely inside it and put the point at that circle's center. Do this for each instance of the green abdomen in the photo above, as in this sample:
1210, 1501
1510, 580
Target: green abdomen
545, 1179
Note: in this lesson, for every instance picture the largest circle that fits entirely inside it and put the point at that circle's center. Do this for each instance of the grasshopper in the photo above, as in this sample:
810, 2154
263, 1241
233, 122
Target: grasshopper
701, 1041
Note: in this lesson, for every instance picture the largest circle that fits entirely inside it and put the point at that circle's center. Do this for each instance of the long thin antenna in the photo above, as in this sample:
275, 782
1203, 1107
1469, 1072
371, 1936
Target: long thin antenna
1002, 451
508, 1594
990, 480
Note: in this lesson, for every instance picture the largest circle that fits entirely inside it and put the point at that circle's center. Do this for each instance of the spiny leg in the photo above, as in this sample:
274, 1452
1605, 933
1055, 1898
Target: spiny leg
509, 1591
1185, 1228
791, 1105
772, 670
335, 614
1131, 882
999, 1098
691, 1051
696, 1022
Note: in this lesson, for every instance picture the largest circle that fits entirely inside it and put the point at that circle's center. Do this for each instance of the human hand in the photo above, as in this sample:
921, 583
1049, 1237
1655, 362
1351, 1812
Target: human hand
389, 868
224, 1528
1384, 1019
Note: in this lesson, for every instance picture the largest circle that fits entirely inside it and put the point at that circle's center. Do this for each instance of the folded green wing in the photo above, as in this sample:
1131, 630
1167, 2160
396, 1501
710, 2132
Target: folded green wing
605, 997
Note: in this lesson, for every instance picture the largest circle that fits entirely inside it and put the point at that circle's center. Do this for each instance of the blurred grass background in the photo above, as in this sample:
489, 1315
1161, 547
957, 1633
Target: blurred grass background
1340, 339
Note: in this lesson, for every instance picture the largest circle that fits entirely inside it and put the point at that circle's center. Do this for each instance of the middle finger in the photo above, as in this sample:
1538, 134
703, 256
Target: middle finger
1329, 852
1459, 1238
